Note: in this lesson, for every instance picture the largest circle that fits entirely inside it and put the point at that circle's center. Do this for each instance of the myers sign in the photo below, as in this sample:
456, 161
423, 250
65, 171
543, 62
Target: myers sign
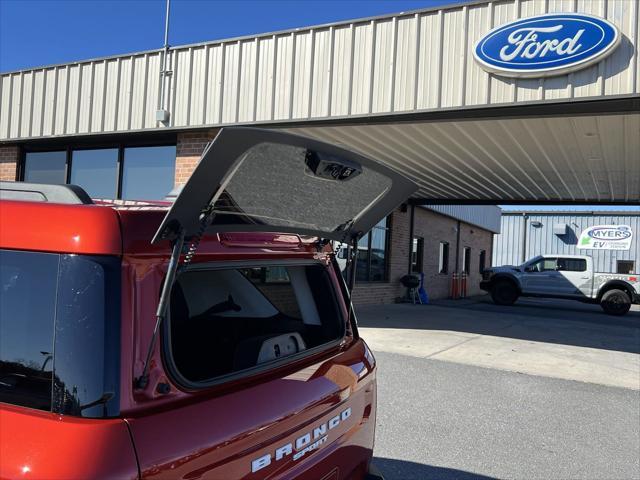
606, 237
546, 45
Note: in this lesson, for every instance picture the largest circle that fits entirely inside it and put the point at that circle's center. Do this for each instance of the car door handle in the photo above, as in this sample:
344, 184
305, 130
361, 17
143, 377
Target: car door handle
585, 278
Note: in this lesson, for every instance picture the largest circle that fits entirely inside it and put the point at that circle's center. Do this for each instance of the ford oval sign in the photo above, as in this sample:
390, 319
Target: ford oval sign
546, 45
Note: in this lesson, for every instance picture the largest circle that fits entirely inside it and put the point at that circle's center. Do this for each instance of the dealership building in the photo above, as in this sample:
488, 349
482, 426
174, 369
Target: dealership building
424, 92
525, 234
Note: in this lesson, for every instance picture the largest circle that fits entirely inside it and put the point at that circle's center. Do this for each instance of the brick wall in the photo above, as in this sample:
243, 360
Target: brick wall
9, 155
433, 228
388, 292
478, 239
189, 148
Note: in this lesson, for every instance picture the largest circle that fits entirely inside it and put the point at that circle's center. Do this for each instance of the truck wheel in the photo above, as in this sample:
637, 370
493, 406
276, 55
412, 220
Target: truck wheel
504, 293
615, 302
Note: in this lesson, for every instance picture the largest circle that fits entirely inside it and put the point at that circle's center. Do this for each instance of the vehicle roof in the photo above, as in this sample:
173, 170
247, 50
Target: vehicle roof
115, 227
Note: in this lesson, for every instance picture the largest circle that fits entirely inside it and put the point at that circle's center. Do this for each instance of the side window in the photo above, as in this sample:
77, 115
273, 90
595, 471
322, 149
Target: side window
543, 265
28, 283
443, 258
75, 370
483, 260
466, 260
572, 265
625, 266
417, 255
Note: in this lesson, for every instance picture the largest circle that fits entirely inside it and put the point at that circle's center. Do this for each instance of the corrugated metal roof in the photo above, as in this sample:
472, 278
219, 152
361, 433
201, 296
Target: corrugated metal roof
582, 158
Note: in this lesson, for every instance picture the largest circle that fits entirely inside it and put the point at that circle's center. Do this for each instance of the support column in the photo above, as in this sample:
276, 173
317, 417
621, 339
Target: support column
9, 158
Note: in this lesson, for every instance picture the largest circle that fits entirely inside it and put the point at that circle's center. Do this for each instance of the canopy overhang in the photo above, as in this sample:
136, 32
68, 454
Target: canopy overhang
587, 157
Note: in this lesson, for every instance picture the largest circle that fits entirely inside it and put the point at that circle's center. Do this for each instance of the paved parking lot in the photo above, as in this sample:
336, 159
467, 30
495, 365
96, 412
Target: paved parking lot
542, 389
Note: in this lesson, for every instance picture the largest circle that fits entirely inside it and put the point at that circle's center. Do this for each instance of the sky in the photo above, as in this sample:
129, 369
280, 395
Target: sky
35, 33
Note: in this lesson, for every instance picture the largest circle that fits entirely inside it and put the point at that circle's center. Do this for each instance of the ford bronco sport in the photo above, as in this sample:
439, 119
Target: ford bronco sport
187, 340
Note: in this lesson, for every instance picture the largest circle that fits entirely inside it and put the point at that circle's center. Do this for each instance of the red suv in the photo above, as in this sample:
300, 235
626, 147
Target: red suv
184, 340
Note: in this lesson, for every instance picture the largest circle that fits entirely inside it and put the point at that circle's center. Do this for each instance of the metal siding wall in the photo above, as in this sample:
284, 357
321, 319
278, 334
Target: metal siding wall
541, 240
483, 216
417, 61
507, 245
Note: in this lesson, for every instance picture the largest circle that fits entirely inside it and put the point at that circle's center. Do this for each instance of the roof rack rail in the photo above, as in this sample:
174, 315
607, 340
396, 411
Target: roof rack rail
43, 192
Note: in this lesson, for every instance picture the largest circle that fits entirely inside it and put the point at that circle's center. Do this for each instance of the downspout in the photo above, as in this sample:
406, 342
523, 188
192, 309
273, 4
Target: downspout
458, 247
525, 222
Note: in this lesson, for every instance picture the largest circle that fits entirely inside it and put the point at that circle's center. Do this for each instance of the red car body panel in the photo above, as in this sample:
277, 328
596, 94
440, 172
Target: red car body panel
213, 433
41, 445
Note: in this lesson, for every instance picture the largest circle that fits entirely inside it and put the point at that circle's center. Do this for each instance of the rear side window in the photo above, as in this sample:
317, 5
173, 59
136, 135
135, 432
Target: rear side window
225, 321
59, 332
28, 283
572, 265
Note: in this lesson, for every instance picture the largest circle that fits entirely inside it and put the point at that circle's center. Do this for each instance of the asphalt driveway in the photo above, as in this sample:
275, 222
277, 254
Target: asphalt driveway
469, 390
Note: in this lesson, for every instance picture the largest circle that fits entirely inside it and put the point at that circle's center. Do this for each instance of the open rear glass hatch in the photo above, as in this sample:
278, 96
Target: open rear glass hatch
263, 180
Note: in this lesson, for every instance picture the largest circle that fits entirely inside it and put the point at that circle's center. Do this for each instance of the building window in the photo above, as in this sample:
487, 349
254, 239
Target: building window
466, 260
132, 173
417, 255
443, 260
625, 266
148, 172
483, 261
45, 167
373, 254
96, 171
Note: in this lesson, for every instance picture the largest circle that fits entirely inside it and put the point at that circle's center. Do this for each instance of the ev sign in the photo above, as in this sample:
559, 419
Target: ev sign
606, 237
546, 45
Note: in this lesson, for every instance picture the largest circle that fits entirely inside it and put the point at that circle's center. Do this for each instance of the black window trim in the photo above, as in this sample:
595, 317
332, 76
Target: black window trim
184, 384
69, 148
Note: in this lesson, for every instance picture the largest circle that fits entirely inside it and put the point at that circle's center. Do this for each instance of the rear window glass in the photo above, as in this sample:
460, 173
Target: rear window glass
303, 200
224, 321
59, 332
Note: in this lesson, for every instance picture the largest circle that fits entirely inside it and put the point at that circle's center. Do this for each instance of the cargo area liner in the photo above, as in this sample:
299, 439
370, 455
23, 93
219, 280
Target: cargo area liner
320, 351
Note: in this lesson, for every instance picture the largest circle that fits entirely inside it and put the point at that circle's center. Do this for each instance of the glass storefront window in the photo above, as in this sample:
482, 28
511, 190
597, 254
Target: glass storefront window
45, 167
148, 172
96, 171
372, 254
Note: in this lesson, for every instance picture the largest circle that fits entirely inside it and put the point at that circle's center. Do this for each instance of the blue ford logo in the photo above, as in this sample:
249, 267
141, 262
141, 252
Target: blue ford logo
546, 45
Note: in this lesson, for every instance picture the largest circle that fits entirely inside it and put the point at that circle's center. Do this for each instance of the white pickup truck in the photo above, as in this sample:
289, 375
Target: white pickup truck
562, 276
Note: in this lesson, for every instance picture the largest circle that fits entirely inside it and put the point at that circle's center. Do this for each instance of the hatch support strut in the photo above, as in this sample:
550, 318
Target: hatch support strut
142, 381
